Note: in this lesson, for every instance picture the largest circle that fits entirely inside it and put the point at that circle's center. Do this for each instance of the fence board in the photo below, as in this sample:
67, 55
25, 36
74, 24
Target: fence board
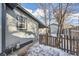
64, 42
73, 45
67, 44
77, 48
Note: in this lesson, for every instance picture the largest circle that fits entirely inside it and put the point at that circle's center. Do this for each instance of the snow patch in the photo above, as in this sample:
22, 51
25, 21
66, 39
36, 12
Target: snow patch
43, 50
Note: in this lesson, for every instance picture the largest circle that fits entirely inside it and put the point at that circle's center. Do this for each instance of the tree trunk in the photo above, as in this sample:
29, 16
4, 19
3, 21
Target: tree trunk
59, 32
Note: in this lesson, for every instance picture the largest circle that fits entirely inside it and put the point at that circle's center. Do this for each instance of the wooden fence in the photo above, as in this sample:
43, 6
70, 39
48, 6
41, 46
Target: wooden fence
68, 45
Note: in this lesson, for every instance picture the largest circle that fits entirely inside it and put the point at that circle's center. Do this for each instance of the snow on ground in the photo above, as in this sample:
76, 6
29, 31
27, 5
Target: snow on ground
42, 50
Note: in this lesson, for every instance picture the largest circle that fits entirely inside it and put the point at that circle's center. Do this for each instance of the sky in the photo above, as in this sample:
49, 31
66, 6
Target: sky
32, 6
34, 9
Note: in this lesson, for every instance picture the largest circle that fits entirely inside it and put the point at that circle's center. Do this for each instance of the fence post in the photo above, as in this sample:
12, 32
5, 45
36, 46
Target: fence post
67, 44
70, 41
77, 48
73, 45
64, 42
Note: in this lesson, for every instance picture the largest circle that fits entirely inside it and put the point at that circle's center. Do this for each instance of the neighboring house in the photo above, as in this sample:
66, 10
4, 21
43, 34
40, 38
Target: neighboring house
42, 31
17, 26
73, 32
54, 28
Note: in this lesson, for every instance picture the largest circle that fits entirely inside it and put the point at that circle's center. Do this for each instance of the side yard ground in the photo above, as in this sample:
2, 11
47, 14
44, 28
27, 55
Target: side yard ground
40, 50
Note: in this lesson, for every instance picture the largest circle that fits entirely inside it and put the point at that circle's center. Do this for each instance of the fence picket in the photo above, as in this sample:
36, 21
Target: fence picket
67, 44
64, 42
77, 48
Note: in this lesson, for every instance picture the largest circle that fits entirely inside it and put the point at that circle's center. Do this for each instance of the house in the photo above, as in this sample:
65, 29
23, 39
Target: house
17, 27
73, 32
42, 31
53, 29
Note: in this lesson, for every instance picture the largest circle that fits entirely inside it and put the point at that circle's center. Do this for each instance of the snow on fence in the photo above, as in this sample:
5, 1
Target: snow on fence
68, 45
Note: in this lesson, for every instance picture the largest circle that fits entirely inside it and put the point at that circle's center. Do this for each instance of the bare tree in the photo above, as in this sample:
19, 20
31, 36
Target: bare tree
49, 17
43, 6
61, 12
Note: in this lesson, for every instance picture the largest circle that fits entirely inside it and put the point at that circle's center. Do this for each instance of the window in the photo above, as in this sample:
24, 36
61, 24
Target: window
21, 23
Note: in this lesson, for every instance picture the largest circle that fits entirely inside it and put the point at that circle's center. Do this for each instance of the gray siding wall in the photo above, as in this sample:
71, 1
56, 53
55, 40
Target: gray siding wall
0, 28
29, 19
10, 39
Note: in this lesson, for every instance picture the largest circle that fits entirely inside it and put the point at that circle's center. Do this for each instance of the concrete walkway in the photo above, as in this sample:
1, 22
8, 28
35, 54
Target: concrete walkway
22, 51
